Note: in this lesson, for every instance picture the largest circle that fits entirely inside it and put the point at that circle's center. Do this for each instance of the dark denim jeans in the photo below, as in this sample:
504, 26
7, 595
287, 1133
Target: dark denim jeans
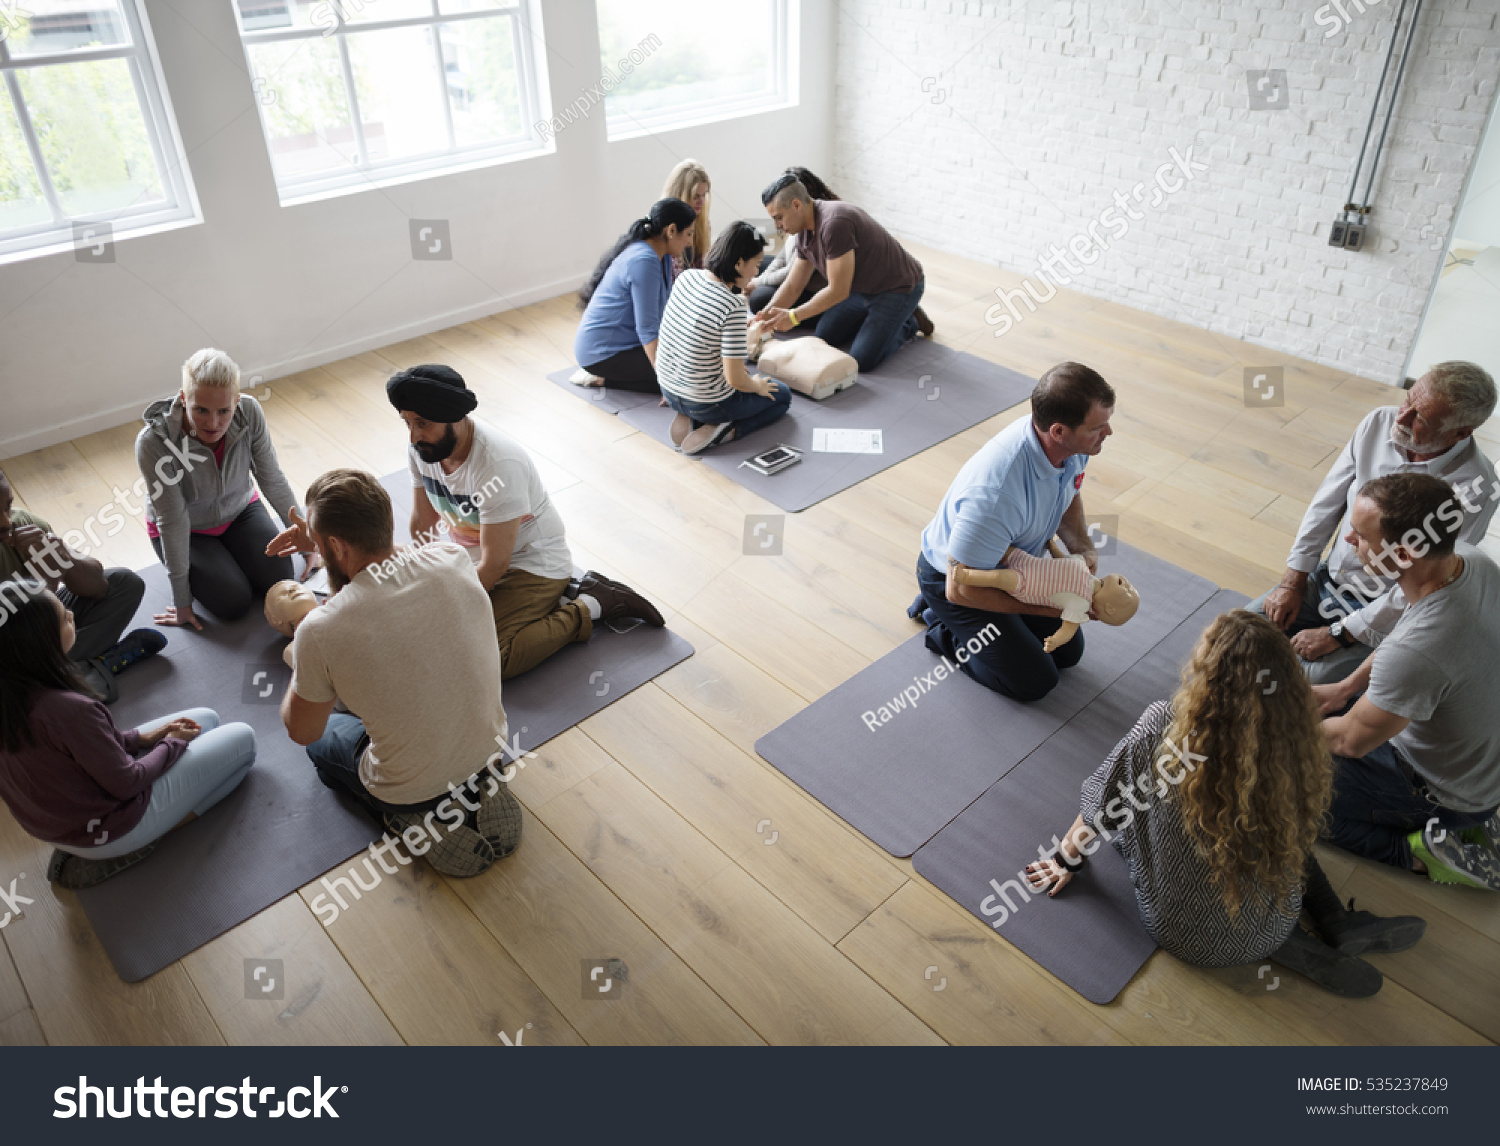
1011, 663
873, 325
1376, 806
336, 755
748, 412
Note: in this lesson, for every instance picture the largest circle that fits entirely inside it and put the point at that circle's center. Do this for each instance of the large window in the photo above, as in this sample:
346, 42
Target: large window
360, 92
88, 149
672, 63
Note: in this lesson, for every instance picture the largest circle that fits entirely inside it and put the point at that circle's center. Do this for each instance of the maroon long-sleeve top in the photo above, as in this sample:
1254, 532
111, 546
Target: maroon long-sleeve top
80, 769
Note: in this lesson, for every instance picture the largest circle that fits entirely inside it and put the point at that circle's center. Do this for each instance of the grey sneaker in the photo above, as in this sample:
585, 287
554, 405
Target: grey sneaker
459, 852
1491, 829
499, 820
707, 435
78, 872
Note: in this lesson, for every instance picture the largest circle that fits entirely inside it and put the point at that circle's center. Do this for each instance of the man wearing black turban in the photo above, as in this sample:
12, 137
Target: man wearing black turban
481, 488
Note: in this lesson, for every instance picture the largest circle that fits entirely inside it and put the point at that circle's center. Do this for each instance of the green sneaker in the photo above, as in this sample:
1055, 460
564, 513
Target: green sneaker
1452, 860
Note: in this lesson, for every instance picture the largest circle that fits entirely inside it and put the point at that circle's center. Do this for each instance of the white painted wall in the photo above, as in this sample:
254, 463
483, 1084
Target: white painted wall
995, 129
86, 346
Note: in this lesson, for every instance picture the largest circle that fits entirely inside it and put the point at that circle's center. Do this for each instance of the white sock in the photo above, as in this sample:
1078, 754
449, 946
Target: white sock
592, 605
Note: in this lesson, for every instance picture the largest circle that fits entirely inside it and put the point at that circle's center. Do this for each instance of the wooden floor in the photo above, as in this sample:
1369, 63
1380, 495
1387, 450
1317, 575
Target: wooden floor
641, 835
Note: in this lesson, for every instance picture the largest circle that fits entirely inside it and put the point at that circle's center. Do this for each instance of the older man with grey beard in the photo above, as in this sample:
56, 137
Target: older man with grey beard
1333, 609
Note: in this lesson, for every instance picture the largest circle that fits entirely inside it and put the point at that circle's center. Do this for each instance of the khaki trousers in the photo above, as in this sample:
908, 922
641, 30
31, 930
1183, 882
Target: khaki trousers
532, 621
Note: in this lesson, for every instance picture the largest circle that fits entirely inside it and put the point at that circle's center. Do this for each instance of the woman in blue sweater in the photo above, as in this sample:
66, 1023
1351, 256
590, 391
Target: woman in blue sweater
624, 299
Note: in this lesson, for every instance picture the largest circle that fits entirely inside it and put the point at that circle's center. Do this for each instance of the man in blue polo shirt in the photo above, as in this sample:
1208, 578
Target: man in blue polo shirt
1020, 489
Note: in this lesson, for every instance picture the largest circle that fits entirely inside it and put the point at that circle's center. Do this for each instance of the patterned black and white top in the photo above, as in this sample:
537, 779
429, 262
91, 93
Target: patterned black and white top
703, 324
1179, 904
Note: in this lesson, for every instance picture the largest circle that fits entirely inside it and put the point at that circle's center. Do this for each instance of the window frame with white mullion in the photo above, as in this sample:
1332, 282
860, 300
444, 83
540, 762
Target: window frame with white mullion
363, 174
178, 205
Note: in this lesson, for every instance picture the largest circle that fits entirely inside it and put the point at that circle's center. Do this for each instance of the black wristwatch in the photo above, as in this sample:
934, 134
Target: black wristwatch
1068, 865
1340, 634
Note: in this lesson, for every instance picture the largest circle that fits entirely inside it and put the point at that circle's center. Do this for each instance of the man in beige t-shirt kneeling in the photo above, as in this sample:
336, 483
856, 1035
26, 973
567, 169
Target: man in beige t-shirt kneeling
406, 641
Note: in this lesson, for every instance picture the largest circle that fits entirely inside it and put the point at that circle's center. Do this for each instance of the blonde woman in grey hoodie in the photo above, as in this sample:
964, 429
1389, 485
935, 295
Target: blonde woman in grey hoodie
207, 521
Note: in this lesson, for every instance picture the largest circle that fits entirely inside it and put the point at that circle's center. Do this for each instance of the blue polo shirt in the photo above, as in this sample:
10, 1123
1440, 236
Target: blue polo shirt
1007, 494
625, 311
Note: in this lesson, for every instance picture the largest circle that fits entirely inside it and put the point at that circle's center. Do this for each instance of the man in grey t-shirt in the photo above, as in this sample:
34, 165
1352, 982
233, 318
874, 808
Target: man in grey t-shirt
1417, 779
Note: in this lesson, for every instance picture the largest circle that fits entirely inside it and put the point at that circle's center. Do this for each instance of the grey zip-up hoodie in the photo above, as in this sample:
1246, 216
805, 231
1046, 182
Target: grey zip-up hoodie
188, 491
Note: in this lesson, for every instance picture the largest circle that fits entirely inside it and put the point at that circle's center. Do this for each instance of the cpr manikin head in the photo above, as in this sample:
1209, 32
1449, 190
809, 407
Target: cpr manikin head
1115, 600
287, 602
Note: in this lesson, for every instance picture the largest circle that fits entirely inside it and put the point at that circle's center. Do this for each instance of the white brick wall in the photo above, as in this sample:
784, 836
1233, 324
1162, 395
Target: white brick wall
995, 129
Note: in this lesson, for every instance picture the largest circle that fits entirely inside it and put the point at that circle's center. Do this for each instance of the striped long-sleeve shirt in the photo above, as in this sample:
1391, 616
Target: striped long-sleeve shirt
703, 324
1044, 579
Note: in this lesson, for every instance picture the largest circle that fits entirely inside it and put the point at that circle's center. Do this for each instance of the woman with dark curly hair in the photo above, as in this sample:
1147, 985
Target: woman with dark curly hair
1214, 800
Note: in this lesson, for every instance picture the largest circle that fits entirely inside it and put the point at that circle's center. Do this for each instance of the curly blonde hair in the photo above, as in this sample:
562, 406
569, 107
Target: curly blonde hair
1254, 805
680, 183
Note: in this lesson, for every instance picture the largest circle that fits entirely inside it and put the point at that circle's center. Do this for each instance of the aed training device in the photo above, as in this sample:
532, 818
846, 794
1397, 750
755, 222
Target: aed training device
774, 461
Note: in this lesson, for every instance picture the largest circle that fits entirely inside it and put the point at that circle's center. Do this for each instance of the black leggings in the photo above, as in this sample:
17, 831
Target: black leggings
628, 370
228, 574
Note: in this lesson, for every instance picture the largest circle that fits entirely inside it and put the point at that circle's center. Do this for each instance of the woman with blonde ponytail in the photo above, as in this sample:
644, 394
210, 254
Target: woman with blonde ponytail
690, 183
1214, 800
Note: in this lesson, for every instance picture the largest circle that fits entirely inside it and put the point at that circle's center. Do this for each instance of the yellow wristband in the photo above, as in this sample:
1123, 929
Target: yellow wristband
792, 314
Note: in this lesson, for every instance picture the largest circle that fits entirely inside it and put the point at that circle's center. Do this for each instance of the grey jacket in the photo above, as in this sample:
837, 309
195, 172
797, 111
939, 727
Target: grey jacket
188, 491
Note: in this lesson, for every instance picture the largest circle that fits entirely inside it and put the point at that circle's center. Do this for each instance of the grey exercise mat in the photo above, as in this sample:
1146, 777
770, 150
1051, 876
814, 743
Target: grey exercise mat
921, 395
282, 827
901, 782
1091, 936
606, 398
275, 832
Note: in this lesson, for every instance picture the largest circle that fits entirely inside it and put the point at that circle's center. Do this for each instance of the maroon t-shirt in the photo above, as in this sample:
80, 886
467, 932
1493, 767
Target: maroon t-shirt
81, 776
880, 263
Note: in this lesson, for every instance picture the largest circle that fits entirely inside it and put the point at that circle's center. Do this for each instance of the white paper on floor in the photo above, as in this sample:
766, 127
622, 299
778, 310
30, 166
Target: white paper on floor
832, 441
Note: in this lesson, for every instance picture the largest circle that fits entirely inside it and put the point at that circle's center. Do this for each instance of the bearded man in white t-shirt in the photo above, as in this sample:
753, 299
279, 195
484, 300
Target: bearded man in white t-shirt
480, 488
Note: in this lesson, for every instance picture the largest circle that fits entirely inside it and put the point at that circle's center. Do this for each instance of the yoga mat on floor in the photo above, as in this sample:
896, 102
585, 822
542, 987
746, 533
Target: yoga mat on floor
1091, 935
282, 828
605, 398
900, 782
921, 395
279, 829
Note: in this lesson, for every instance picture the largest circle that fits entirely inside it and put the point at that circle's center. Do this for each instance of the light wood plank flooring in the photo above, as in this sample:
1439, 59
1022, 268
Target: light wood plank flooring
641, 835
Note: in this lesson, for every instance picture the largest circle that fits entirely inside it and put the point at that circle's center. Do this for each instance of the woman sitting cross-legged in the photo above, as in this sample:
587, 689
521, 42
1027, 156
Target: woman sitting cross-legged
623, 300
701, 358
100, 796
1214, 800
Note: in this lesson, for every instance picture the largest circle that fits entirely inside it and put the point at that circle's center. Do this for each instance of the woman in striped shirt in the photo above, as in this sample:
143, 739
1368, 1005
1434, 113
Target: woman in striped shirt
700, 358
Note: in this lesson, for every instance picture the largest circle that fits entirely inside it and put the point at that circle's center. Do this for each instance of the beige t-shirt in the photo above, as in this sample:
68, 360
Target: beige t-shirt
410, 647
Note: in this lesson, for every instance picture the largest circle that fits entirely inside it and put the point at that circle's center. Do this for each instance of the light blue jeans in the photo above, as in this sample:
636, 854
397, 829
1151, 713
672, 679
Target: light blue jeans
211, 768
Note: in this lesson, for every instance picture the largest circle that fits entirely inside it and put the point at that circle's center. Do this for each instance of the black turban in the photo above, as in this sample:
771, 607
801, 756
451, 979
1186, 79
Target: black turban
436, 393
